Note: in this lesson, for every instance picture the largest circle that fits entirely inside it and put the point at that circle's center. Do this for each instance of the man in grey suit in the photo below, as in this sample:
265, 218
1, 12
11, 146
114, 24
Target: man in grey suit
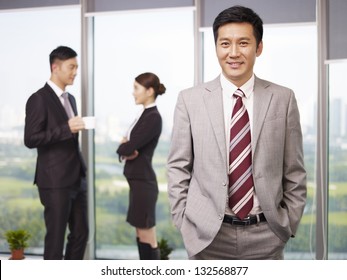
199, 172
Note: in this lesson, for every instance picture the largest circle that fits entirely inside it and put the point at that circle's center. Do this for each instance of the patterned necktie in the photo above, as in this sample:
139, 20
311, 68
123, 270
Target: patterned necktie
67, 105
240, 160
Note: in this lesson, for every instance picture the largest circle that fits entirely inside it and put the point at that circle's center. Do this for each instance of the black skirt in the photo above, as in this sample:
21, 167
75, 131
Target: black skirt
142, 200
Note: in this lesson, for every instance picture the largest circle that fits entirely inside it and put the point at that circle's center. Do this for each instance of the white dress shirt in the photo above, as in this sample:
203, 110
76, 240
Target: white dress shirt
228, 90
59, 92
127, 135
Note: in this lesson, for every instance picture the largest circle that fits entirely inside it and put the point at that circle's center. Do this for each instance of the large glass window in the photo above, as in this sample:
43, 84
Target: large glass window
337, 218
27, 38
127, 44
289, 58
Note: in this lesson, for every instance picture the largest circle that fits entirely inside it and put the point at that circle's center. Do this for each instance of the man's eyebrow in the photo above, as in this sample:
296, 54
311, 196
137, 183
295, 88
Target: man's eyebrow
240, 39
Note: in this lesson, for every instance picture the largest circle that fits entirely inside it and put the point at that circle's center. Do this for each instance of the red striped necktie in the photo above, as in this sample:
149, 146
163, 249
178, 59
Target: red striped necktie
240, 160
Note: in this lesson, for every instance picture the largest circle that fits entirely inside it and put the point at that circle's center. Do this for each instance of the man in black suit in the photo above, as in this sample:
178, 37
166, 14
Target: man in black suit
52, 126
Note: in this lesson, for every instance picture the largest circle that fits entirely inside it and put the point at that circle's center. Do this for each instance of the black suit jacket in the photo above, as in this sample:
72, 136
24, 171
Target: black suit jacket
143, 138
59, 160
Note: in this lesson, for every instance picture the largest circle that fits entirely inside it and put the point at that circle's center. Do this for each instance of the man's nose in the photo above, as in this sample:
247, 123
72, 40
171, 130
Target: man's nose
234, 50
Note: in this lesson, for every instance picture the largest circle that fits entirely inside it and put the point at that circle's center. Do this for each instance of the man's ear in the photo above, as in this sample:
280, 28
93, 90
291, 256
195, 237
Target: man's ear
260, 48
54, 67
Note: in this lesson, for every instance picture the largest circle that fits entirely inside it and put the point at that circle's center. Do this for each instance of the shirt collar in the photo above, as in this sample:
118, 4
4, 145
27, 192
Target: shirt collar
58, 91
151, 105
229, 88
248, 87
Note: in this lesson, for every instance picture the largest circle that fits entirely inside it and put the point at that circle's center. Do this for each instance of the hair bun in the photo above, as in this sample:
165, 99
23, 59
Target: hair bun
161, 89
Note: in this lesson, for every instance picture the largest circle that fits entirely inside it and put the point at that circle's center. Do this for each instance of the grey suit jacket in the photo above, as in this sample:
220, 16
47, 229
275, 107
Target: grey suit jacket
197, 162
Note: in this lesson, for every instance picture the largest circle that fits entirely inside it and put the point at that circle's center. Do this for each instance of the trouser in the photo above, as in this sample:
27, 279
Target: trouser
62, 208
250, 242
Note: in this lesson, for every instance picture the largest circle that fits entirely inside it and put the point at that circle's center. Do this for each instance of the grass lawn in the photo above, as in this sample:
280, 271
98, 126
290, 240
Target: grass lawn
338, 189
334, 218
15, 187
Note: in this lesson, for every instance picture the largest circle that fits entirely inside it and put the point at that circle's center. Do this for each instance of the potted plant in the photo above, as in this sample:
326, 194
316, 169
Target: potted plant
165, 249
17, 241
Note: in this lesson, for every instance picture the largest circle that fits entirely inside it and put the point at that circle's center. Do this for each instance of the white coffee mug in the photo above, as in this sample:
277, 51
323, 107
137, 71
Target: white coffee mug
89, 122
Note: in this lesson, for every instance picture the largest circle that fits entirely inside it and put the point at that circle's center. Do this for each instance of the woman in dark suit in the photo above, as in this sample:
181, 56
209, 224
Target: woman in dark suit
137, 149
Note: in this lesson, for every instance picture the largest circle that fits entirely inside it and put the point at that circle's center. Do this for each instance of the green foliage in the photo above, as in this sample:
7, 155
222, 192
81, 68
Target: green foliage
20, 206
337, 241
165, 249
17, 239
303, 241
16, 214
112, 228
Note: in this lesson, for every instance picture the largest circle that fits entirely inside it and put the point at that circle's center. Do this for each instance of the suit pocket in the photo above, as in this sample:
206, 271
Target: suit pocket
196, 204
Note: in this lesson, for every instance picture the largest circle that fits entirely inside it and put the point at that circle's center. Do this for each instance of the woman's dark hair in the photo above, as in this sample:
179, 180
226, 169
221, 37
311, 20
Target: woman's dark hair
239, 14
61, 53
150, 80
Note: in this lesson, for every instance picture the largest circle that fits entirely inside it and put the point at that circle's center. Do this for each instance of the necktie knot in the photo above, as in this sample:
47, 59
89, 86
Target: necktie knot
238, 93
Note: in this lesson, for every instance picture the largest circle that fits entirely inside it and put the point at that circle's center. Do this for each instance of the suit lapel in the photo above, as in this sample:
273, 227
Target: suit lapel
73, 104
141, 118
58, 108
262, 99
54, 99
138, 122
214, 105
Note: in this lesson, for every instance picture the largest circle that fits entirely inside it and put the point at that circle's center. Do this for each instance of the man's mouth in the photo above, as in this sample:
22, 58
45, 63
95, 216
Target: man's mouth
234, 65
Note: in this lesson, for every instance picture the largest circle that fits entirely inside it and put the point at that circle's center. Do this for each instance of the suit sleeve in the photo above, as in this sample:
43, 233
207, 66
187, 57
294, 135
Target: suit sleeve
148, 128
37, 133
180, 162
294, 174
